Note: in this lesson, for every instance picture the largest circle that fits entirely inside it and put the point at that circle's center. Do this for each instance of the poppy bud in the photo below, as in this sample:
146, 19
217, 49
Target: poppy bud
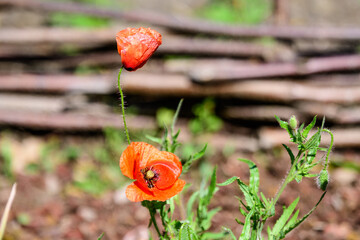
136, 46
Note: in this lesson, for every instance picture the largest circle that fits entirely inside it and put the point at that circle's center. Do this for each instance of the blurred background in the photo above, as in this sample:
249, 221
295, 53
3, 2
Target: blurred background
236, 63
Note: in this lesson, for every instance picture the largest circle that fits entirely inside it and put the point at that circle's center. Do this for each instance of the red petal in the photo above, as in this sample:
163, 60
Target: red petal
136, 193
136, 157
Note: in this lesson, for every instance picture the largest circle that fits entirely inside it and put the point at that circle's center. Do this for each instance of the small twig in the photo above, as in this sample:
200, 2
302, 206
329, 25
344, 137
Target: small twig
7, 211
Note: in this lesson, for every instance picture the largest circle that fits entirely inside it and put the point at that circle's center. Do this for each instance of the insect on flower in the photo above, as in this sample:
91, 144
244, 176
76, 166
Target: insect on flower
156, 172
136, 46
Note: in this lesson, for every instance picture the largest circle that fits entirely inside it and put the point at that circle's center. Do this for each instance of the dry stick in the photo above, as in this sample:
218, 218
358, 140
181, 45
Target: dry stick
7, 211
192, 25
316, 65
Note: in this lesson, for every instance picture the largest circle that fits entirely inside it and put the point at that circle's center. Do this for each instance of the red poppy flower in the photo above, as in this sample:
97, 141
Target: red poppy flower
156, 172
136, 46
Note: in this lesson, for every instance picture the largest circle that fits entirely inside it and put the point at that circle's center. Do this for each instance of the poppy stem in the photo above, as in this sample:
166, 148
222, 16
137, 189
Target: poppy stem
123, 106
152, 216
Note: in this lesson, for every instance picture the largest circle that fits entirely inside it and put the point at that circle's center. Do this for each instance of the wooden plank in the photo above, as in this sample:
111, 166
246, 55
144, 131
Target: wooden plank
209, 74
179, 85
54, 38
189, 25
72, 121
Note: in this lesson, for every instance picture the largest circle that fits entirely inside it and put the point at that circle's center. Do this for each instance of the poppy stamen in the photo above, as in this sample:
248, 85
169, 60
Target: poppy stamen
149, 176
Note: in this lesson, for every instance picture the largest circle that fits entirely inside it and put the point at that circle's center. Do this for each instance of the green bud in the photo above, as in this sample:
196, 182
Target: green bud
323, 179
293, 123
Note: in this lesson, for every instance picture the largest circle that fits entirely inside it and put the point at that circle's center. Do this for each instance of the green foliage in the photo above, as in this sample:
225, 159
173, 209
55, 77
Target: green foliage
77, 20
23, 218
6, 156
237, 11
257, 208
164, 116
205, 119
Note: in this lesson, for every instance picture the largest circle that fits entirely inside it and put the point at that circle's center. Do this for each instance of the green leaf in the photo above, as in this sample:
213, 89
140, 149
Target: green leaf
280, 223
187, 233
228, 182
246, 232
254, 176
298, 222
309, 127
154, 139
192, 159
190, 204
101, 236
292, 220
176, 115
206, 224
285, 125
228, 230
218, 235
245, 189
314, 141
292, 157
212, 187
266, 202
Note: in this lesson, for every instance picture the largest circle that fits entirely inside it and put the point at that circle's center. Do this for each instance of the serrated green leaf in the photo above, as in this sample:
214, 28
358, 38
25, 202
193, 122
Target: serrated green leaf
285, 125
192, 159
264, 199
228, 182
280, 223
298, 222
308, 128
187, 233
245, 190
254, 175
314, 141
298, 178
246, 232
292, 220
292, 157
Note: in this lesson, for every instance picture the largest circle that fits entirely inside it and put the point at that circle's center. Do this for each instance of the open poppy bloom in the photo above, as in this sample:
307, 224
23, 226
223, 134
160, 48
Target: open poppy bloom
156, 172
136, 46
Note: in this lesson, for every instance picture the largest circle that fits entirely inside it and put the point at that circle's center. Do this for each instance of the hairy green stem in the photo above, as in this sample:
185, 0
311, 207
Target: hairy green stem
286, 181
153, 220
123, 106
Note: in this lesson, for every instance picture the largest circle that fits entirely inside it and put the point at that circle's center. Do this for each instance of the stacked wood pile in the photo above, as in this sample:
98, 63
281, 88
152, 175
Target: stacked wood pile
290, 74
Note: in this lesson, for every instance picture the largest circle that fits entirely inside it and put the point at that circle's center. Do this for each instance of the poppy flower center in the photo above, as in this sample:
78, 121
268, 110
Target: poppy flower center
150, 177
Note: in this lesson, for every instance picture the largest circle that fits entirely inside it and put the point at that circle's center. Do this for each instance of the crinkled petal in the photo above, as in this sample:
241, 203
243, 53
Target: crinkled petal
136, 193
135, 157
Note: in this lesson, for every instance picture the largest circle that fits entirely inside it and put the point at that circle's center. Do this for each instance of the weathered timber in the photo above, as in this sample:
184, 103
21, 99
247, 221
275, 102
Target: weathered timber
191, 25
261, 113
98, 84
34, 103
54, 38
209, 74
72, 121
179, 85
